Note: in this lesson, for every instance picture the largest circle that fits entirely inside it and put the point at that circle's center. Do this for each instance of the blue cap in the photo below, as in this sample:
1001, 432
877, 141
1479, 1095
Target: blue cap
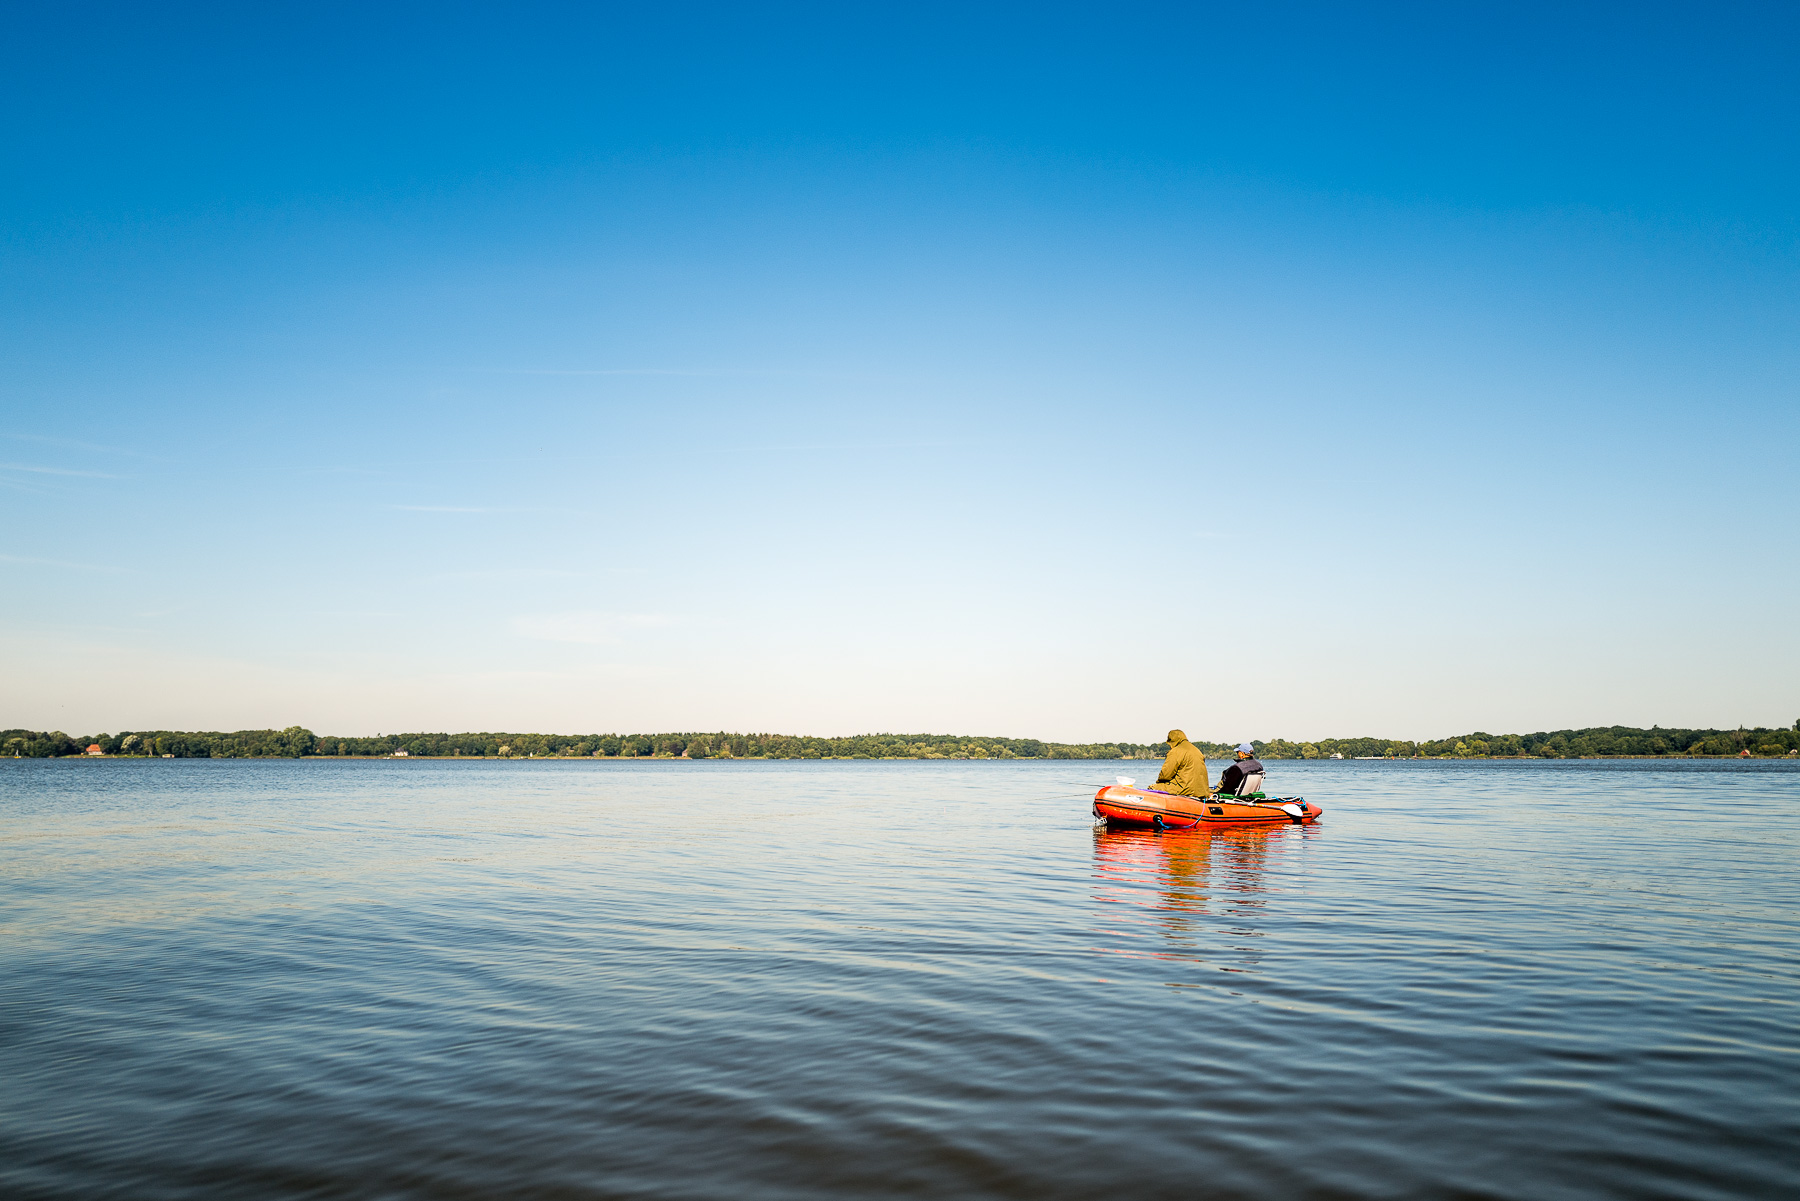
1245, 748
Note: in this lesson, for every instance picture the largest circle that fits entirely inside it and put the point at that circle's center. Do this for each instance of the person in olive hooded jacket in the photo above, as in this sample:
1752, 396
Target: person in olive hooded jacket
1184, 771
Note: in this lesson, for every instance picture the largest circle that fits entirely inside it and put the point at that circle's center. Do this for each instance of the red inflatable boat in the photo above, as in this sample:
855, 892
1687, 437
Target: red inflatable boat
1124, 806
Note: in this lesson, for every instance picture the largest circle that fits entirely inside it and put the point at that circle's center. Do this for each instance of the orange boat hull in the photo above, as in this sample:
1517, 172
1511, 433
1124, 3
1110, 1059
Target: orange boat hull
1142, 808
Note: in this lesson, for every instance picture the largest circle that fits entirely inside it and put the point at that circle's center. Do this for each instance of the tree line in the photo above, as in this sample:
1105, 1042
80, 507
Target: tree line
295, 742
1598, 742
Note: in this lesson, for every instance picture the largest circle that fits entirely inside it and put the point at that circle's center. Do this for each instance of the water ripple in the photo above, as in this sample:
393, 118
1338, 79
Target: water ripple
780, 980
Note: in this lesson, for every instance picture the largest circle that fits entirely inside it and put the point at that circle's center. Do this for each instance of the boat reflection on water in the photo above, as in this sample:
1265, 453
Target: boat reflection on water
1198, 895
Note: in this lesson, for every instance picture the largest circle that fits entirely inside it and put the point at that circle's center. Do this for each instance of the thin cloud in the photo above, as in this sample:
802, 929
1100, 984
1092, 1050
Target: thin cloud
835, 446
22, 486
98, 475
628, 371
64, 563
592, 629
71, 443
526, 573
688, 372
498, 509
703, 371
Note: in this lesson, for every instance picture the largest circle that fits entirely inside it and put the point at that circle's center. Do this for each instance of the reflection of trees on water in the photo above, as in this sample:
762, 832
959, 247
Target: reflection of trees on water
1195, 895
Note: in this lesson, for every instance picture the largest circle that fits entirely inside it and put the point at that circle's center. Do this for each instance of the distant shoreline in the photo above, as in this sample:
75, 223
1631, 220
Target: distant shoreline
408, 758
297, 742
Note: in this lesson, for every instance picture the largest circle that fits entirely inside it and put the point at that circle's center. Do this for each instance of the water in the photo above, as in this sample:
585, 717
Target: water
783, 980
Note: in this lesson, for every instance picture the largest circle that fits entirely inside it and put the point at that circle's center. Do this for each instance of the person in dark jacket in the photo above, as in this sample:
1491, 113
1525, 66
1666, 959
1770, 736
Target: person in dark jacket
1247, 764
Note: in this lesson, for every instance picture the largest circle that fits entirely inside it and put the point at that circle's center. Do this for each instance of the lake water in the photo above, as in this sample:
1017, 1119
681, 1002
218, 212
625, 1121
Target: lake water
806, 980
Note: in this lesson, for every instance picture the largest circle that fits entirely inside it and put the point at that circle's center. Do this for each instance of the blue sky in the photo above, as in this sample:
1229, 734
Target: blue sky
1069, 371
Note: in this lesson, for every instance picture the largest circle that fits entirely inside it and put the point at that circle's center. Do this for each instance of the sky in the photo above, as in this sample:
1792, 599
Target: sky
1057, 371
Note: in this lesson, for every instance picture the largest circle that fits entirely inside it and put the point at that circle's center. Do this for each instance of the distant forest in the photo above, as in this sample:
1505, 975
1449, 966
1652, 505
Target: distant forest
295, 743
